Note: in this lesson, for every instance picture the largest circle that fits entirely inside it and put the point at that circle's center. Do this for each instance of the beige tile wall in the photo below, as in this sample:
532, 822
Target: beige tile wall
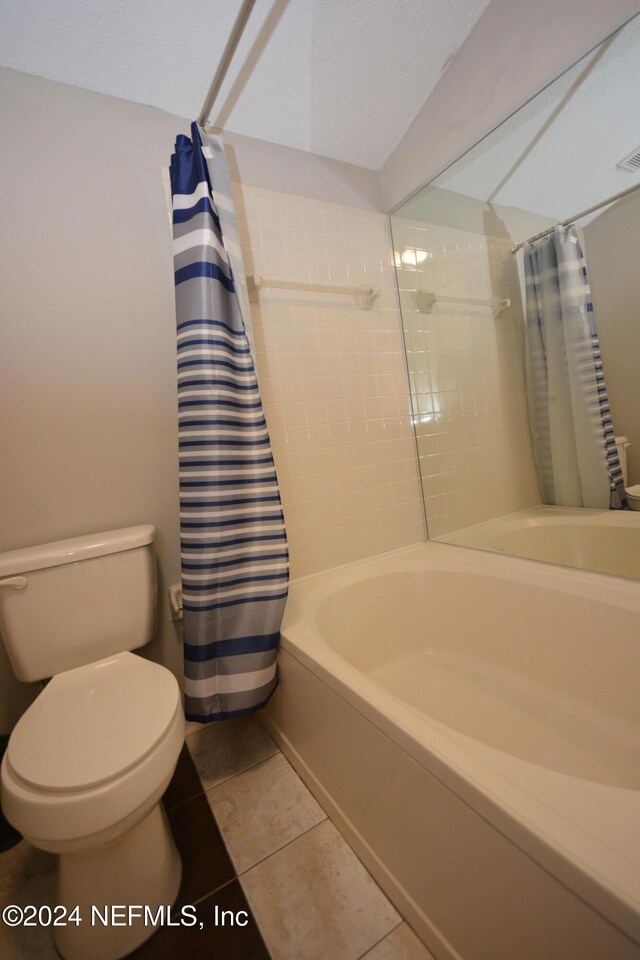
467, 376
333, 379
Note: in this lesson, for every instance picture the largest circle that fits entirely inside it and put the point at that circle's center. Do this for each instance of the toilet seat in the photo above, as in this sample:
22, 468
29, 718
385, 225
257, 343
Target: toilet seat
93, 723
74, 808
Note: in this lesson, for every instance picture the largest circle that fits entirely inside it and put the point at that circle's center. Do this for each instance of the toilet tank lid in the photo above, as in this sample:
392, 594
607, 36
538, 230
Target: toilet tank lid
620, 441
75, 549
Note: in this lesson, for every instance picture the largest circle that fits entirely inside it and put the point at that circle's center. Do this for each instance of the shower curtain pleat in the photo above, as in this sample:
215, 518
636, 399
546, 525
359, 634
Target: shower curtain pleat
235, 562
573, 436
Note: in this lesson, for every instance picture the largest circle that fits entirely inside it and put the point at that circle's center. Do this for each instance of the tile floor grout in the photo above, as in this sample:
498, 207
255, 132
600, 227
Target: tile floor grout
217, 889
241, 773
283, 847
25, 886
373, 946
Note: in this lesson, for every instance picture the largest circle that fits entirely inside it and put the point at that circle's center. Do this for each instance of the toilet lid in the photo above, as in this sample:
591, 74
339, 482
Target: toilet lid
92, 723
633, 491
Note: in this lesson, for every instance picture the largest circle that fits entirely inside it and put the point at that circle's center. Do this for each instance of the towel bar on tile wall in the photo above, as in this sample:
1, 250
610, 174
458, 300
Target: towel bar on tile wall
367, 294
427, 298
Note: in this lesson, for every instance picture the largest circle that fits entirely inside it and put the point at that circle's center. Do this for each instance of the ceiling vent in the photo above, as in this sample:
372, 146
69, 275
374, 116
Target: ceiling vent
631, 162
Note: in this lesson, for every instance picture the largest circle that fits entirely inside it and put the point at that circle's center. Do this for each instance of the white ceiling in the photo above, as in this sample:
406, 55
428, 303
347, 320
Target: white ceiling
341, 78
558, 155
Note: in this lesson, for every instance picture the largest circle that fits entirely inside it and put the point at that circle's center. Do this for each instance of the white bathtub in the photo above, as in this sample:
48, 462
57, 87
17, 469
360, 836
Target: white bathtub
606, 541
472, 725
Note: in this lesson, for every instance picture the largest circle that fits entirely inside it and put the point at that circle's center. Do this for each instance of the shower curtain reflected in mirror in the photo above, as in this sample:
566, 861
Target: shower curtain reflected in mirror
573, 436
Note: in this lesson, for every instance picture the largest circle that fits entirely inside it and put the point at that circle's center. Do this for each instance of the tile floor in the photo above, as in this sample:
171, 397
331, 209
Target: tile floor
252, 838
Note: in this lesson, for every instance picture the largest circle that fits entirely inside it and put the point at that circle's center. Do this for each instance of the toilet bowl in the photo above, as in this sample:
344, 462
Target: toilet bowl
87, 764
91, 752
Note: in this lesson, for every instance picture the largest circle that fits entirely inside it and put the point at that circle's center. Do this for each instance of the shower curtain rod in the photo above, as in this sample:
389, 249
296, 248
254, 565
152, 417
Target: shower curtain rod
225, 60
577, 216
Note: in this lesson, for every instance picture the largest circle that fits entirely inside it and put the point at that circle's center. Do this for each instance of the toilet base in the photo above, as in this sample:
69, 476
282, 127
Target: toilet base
141, 868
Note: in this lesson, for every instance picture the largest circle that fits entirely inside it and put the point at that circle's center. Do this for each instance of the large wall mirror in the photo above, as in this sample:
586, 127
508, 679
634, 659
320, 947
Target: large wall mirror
519, 278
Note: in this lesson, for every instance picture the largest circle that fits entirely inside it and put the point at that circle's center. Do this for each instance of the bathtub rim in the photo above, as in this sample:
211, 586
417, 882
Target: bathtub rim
495, 798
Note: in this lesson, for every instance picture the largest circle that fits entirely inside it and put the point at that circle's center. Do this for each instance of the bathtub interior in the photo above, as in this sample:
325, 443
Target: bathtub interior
514, 682
502, 662
603, 541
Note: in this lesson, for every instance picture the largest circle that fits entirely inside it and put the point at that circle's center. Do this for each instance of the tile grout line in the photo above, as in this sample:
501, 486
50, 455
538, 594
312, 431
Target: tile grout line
223, 886
178, 806
258, 763
233, 775
217, 889
364, 955
29, 883
284, 845
206, 790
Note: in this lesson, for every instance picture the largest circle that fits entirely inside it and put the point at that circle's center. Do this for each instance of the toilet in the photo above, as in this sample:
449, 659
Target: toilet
87, 764
632, 493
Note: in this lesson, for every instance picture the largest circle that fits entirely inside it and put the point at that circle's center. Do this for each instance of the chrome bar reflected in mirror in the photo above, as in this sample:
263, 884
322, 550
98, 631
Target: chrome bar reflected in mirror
426, 300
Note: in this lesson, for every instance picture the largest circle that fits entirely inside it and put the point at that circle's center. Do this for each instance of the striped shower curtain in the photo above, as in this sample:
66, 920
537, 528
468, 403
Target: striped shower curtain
235, 565
573, 438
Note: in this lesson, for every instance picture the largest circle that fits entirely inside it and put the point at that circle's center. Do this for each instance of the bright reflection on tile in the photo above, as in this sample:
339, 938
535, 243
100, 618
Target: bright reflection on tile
466, 375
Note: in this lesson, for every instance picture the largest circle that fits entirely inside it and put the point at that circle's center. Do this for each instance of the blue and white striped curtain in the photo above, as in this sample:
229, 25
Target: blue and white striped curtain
235, 564
573, 438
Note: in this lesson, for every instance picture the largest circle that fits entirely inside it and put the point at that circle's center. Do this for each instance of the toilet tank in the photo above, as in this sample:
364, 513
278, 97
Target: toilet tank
72, 602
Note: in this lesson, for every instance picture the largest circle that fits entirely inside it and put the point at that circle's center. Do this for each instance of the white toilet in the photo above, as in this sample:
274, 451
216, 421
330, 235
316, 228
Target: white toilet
88, 762
632, 492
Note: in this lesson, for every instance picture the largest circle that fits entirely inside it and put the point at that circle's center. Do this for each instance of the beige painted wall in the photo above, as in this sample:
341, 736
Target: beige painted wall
87, 355
515, 49
612, 242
